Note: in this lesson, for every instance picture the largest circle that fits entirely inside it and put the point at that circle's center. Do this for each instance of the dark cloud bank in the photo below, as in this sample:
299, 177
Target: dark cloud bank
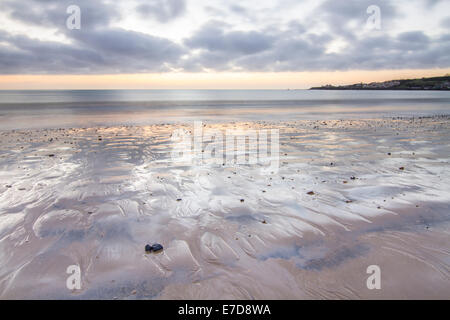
98, 48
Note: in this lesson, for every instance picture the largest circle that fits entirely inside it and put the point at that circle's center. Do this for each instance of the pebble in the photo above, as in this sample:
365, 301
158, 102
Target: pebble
154, 248
157, 247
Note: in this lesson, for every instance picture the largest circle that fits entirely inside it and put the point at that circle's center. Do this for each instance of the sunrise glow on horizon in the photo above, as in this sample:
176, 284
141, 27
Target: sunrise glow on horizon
220, 80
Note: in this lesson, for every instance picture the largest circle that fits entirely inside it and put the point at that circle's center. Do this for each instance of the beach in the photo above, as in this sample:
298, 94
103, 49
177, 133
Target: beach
347, 194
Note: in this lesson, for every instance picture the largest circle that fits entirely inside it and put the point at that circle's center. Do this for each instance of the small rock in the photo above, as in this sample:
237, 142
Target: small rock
157, 247
148, 248
311, 193
8, 186
242, 200
402, 168
264, 222
389, 154
179, 199
51, 155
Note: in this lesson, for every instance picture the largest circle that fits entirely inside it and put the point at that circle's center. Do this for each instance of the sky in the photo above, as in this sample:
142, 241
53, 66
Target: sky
183, 44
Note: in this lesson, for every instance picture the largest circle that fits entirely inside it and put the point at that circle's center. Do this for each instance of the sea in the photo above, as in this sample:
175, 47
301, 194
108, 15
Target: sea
34, 109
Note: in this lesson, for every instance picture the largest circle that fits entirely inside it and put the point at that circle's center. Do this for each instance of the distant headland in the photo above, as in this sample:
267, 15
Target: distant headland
434, 83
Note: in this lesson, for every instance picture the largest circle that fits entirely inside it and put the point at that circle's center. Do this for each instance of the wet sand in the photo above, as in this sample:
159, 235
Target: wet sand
340, 202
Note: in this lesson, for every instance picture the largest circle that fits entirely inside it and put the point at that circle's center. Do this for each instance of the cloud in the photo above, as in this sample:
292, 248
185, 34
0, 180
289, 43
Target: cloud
162, 10
94, 51
445, 23
52, 13
332, 37
212, 37
285, 50
345, 18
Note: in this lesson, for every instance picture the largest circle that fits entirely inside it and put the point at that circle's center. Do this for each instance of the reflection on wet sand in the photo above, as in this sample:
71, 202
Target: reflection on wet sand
96, 196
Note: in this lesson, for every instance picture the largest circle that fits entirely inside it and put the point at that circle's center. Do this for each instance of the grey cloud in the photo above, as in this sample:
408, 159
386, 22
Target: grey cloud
93, 51
445, 23
238, 9
432, 3
96, 48
162, 10
213, 38
345, 17
413, 40
289, 46
53, 12
291, 51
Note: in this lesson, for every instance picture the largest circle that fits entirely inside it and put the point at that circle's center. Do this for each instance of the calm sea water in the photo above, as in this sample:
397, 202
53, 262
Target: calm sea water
82, 108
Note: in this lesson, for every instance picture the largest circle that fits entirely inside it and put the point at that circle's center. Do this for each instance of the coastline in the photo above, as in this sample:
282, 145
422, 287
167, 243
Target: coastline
107, 191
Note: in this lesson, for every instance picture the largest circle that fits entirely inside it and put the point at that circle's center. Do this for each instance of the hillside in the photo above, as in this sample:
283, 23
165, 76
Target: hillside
434, 83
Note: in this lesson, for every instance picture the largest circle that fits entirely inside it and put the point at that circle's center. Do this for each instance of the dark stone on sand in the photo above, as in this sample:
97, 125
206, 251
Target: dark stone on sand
154, 248
157, 247
311, 193
402, 168
51, 155
8, 186
389, 153
242, 200
179, 199
352, 178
